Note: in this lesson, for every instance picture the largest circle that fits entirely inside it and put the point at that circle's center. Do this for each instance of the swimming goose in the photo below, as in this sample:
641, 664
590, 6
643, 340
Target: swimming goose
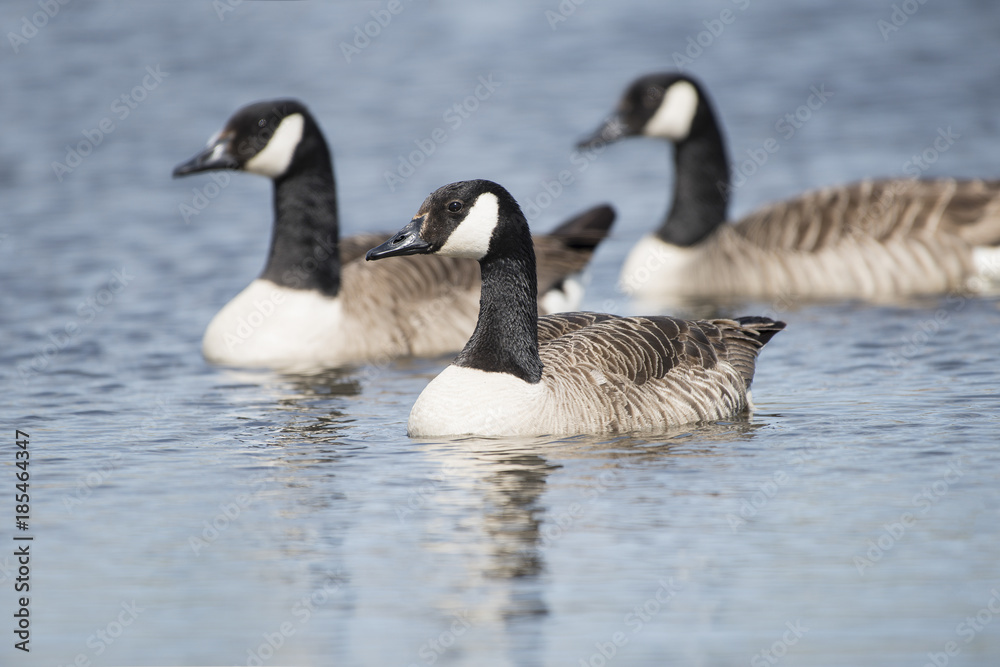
317, 303
871, 239
571, 373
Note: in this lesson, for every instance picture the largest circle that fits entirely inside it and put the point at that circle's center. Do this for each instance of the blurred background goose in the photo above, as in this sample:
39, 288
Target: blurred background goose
569, 373
872, 239
315, 303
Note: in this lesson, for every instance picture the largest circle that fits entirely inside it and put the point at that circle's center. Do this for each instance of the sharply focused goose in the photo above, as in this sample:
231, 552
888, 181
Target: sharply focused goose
317, 303
872, 239
563, 374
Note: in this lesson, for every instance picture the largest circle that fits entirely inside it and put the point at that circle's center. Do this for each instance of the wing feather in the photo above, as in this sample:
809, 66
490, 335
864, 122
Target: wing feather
641, 373
878, 210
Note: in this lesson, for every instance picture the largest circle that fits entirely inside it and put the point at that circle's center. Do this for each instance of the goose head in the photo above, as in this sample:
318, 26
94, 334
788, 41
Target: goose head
471, 219
668, 106
271, 138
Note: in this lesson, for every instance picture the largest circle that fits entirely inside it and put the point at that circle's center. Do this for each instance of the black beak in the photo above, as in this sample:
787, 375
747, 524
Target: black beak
611, 130
215, 156
406, 241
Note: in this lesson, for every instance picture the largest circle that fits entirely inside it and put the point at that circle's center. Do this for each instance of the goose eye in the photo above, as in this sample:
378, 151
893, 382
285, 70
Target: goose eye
455, 206
262, 122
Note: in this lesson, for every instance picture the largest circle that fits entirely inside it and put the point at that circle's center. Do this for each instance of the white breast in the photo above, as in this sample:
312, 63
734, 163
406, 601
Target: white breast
466, 400
654, 267
273, 326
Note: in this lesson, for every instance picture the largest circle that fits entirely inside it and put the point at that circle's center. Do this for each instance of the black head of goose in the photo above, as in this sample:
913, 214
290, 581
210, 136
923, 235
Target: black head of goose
673, 106
570, 373
313, 296
871, 239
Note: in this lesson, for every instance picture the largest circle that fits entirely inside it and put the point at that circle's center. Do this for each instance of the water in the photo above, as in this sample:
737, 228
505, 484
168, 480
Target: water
185, 514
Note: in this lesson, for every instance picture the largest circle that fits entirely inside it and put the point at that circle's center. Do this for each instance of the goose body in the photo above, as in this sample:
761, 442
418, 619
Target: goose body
317, 303
429, 310
875, 239
572, 372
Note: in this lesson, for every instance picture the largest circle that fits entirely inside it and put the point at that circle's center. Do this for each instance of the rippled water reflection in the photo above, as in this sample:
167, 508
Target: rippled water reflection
247, 517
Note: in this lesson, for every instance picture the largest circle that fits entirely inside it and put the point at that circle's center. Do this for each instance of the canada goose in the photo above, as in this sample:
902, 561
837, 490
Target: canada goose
571, 373
871, 239
316, 303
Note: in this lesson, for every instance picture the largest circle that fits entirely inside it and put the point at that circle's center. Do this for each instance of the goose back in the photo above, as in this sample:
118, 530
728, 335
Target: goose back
880, 210
648, 373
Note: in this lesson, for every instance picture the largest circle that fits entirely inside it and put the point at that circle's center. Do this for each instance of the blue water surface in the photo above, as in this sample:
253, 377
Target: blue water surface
190, 515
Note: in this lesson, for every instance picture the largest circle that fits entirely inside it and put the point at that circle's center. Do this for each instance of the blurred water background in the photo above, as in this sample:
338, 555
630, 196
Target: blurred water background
186, 514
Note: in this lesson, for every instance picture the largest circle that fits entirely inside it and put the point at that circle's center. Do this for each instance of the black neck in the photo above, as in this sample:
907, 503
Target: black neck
304, 246
506, 335
701, 187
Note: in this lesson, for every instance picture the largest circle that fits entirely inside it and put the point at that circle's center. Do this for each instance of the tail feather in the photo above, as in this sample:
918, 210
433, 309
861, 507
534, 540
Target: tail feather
743, 342
764, 326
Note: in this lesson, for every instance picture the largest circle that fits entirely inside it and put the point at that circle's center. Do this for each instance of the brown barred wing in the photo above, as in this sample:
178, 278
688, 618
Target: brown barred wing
645, 373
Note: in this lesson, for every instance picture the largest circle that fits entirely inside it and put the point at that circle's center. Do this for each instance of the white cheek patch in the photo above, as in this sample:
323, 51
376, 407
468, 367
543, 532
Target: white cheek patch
218, 147
471, 239
273, 161
673, 119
